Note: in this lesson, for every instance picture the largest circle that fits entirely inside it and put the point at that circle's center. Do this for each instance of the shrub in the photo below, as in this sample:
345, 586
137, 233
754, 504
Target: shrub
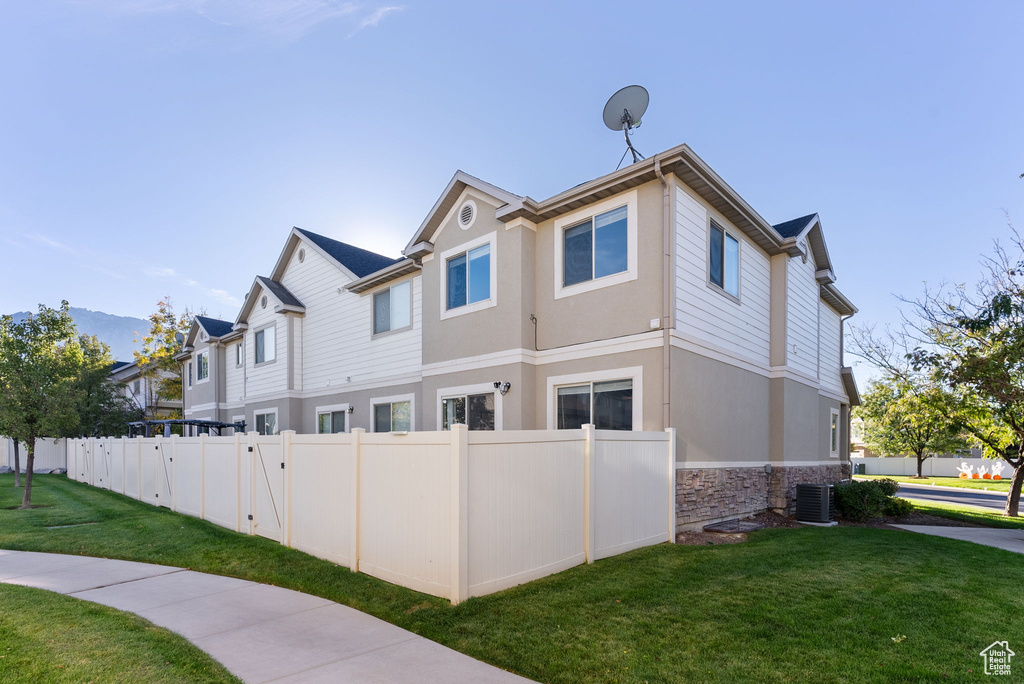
897, 508
889, 487
860, 500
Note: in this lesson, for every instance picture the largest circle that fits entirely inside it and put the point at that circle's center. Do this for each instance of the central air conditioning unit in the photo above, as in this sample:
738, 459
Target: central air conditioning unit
815, 503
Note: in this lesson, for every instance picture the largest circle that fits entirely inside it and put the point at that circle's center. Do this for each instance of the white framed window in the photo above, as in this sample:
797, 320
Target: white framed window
332, 419
476, 406
596, 247
393, 414
239, 354
469, 277
189, 373
833, 433
136, 386
266, 345
610, 399
203, 366
723, 260
266, 421
392, 308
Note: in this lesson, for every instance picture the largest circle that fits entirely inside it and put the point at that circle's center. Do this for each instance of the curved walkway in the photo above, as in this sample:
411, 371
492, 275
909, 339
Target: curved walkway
259, 632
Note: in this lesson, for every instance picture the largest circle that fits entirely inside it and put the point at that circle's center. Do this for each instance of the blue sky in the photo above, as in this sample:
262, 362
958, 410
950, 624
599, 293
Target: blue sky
166, 147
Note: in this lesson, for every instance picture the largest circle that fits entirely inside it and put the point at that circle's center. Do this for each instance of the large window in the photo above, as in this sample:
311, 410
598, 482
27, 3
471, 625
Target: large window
202, 366
266, 345
469, 277
331, 422
392, 308
394, 416
596, 248
723, 260
473, 410
608, 405
266, 423
833, 433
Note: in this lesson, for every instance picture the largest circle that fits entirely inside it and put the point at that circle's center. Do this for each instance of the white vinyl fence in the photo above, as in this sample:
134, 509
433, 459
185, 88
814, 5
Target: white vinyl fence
933, 467
50, 453
453, 514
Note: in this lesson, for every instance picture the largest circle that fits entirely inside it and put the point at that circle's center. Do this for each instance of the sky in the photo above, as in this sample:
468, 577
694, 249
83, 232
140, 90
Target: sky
153, 148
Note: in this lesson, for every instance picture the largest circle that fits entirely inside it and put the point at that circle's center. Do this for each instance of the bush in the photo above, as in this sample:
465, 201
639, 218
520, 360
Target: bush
898, 508
870, 499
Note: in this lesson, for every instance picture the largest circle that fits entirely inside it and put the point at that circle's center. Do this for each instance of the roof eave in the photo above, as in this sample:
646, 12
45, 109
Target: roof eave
837, 300
850, 385
393, 272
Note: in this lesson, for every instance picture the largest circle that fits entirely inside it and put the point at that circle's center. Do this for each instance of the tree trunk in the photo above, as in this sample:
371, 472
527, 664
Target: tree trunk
17, 465
30, 459
920, 462
1013, 498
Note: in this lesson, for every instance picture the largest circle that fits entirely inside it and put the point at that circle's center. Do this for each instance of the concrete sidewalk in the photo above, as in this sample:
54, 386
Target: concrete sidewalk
259, 632
1011, 540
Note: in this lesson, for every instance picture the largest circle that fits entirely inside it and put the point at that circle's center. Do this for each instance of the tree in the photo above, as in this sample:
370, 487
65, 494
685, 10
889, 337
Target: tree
17, 457
40, 366
907, 415
102, 410
160, 345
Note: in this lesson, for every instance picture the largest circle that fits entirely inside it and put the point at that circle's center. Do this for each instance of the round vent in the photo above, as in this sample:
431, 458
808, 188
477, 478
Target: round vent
467, 214
302, 255
263, 302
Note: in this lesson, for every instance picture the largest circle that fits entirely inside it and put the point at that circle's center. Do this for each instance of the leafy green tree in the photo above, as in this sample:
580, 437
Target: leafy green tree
904, 416
156, 362
40, 368
102, 409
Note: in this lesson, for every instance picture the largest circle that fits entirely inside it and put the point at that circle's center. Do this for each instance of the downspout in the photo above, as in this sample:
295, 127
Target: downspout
668, 288
849, 409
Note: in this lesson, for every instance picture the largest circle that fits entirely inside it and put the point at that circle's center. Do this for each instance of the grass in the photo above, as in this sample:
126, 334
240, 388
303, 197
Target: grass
803, 605
974, 514
47, 637
991, 485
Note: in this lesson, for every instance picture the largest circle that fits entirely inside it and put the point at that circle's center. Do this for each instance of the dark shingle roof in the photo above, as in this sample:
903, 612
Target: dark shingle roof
279, 291
792, 228
118, 365
215, 327
360, 261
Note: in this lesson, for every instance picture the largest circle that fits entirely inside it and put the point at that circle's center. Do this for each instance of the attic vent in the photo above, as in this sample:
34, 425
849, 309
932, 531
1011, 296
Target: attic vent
263, 302
467, 214
302, 255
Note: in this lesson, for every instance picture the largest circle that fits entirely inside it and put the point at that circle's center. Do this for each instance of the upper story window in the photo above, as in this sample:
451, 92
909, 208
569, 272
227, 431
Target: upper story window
202, 366
135, 386
469, 277
723, 260
189, 373
392, 308
596, 248
607, 405
239, 356
266, 345
833, 433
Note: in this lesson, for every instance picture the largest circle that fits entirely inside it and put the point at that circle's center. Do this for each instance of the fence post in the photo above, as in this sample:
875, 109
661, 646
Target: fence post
174, 474
460, 513
202, 476
286, 487
252, 481
124, 463
138, 467
671, 485
354, 492
238, 481
588, 492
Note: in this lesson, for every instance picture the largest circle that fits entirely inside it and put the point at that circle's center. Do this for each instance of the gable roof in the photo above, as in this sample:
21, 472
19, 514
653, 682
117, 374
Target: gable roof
214, 327
118, 365
280, 291
793, 227
361, 262
287, 302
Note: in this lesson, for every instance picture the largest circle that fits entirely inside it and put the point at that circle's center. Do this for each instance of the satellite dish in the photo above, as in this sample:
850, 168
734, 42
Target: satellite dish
624, 112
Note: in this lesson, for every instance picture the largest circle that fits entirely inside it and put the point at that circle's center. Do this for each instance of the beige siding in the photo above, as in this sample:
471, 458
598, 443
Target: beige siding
234, 377
828, 336
707, 315
270, 377
802, 295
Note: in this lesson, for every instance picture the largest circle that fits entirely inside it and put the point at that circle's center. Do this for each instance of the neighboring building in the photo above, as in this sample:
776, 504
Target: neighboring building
651, 297
142, 391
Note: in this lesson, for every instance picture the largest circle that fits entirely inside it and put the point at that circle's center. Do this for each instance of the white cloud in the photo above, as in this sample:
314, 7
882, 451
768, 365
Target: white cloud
373, 18
225, 297
156, 272
49, 242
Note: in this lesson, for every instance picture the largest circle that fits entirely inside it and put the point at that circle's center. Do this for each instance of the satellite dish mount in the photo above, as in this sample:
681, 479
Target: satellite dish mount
624, 111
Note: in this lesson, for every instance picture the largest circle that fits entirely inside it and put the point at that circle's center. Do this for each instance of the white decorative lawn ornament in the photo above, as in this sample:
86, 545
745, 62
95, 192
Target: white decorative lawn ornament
997, 468
965, 470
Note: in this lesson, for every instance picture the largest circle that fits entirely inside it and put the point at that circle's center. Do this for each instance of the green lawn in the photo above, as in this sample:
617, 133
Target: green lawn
48, 637
974, 514
803, 605
991, 485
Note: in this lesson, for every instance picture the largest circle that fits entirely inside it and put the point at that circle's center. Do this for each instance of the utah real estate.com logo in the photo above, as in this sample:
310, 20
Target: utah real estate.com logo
997, 658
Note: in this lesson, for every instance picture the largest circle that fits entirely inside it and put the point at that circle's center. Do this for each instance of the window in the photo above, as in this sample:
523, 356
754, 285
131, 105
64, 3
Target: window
189, 373
395, 416
608, 405
266, 345
330, 422
469, 277
392, 308
239, 356
724, 260
833, 433
135, 387
202, 366
266, 423
595, 248
474, 410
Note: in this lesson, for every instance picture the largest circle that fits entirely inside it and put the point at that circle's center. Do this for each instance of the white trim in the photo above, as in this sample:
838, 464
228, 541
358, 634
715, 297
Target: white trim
836, 414
372, 293
266, 412
488, 239
464, 390
205, 352
841, 398
394, 399
685, 342
472, 219
331, 409
634, 373
257, 331
627, 199
521, 223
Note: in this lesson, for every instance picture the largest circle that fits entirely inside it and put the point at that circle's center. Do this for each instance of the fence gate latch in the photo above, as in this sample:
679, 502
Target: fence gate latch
250, 516
250, 450
282, 466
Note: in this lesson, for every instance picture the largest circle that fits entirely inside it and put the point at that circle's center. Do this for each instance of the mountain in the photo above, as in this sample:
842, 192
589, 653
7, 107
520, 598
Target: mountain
117, 332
